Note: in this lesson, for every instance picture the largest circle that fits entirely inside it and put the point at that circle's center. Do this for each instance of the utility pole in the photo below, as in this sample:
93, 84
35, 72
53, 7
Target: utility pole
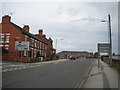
110, 38
109, 23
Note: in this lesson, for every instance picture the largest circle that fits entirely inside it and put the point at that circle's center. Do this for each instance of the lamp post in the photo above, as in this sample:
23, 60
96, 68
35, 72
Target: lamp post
56, 44
110, 37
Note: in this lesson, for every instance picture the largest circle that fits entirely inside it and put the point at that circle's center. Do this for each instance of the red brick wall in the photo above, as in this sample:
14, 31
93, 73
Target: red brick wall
48, 47
16, 35
76, 54
8, 28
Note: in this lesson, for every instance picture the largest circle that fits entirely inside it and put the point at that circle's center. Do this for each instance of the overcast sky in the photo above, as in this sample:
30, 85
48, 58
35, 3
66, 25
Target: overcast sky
77, 23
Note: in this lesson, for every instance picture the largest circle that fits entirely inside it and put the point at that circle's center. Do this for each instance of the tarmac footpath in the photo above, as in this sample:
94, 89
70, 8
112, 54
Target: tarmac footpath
103, 77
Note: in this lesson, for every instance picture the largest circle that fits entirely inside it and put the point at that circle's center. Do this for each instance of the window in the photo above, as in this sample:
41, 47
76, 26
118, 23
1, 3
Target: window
40, 45
35, 53
32, 40
40, 52
1, 45
45, 54
32, 52
7, 47
35, 42
2, 37
7, 37
26, 38
43, 46
25, 53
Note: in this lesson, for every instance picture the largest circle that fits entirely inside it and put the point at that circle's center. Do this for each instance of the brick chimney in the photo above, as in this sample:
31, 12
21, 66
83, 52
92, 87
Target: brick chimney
44, 36
40, 32
6, 19
26, 28
50, 39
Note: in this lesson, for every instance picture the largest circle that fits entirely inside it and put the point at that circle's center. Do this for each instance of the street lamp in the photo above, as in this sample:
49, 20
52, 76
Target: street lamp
56, 44
110, 37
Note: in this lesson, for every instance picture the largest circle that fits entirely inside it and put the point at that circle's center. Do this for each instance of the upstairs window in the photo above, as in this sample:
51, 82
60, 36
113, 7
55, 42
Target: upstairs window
35, 43
2, 37
7, 37
1, 46
40, 45
31, 41
43, 46
26, 37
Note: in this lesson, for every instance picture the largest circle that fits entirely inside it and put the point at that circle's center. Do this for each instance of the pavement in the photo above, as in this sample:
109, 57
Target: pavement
6, 66
103, 77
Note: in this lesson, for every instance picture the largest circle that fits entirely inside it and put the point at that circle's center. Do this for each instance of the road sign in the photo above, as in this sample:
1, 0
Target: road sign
104, 47
22, 46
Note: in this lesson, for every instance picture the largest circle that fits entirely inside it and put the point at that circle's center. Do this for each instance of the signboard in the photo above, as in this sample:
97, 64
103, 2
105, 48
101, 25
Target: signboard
104, 47
22, 45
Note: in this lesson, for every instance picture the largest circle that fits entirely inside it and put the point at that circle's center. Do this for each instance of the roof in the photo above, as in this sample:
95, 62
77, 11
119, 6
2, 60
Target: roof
26, 33
50, 39
74, 52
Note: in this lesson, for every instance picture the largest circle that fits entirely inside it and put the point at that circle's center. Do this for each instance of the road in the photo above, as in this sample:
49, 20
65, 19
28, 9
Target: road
60, 75
11, 66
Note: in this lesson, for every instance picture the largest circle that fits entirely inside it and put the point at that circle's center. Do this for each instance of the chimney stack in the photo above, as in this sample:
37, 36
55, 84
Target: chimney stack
6, 19
26, 28
40, 32
44, 36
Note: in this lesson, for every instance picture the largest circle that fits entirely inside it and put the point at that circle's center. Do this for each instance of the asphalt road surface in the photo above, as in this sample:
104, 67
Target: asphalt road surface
60, 75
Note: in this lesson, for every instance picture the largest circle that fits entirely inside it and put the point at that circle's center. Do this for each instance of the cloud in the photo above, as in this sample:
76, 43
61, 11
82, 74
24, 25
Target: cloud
78, 23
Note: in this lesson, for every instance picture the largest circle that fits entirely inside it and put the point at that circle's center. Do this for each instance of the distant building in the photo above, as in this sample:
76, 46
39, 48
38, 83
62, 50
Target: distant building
11, 33
67, 54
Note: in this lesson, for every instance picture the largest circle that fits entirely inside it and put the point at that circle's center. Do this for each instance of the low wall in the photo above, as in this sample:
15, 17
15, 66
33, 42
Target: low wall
115, 62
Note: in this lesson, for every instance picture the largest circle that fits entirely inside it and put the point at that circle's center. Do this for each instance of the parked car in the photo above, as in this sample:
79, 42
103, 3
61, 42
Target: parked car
72, 58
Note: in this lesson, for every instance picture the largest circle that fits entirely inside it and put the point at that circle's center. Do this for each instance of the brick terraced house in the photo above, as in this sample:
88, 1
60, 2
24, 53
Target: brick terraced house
82, 54
50, 51
39, 45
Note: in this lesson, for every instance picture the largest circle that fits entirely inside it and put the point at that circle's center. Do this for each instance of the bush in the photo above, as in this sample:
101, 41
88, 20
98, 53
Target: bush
96, 55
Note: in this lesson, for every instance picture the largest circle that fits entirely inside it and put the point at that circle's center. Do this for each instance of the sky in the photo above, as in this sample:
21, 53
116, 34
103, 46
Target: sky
77, 23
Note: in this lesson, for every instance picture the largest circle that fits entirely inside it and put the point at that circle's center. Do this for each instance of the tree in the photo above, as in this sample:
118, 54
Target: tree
113, 54
96, 55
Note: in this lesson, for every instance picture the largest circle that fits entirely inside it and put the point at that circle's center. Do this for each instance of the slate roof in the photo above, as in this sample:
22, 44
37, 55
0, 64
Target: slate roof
74, 52
26, 33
